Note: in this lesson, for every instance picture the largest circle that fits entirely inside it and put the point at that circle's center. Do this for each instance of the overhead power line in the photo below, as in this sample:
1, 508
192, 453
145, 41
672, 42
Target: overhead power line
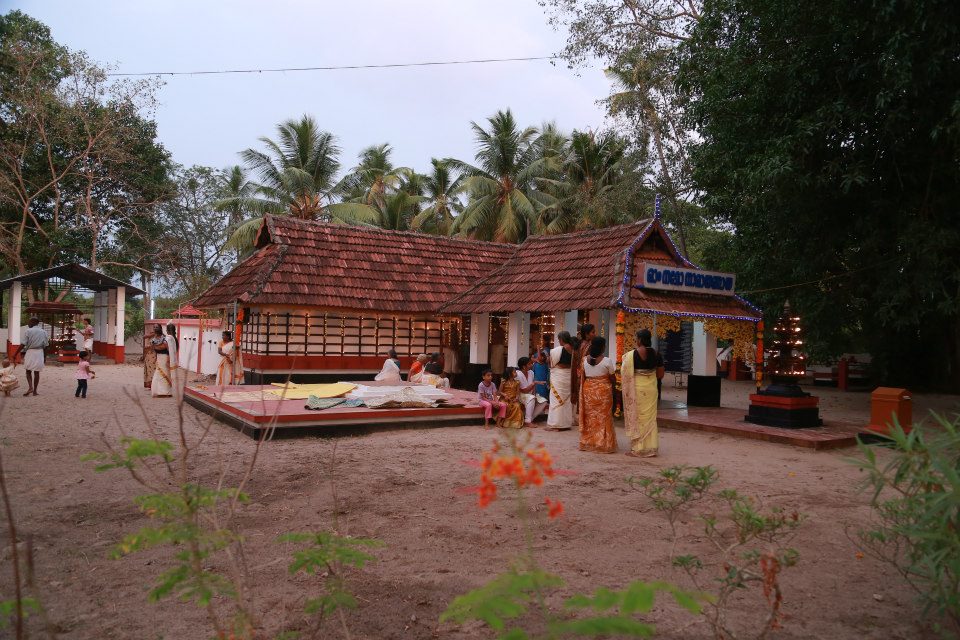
393, 65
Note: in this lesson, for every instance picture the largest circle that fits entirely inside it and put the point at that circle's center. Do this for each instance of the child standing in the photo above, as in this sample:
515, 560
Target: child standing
8, 381
489, 399
84, 373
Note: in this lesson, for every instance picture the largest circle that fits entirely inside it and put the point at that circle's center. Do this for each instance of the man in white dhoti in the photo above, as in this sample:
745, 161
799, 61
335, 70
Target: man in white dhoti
532, 405
35, 340
391, 369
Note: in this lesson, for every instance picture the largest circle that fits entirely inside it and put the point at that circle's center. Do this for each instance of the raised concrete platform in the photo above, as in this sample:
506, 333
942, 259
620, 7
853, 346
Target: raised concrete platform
289, 417
832, 434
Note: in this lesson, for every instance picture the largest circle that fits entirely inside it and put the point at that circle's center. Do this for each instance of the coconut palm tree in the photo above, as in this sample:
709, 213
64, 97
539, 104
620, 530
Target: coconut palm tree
373, 177
297, 176
507, 161
591, 169
442, 188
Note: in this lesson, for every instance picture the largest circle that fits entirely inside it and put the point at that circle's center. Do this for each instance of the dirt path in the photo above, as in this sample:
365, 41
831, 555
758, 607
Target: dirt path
405, 487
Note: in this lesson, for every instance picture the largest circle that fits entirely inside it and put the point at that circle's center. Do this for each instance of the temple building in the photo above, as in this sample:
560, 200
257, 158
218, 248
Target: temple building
317, 298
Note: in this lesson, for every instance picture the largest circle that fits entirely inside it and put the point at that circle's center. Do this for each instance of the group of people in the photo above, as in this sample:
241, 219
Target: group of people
426, 369
579, 381
166, 374
33, 348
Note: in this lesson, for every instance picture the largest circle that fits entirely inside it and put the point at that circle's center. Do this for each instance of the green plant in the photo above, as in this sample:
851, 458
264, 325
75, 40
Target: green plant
674, 489
747, 543
916, 499
191, 519
504, 602
327, 554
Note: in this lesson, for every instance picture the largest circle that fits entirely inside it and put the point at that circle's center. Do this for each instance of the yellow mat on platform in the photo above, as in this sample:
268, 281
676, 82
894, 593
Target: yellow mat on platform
293, 391
245, 396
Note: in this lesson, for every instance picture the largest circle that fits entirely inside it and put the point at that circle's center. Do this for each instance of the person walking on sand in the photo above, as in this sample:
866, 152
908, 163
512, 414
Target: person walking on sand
35, 340
84, 374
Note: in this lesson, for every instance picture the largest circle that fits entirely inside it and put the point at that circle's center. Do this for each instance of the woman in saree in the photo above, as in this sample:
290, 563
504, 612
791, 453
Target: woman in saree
161, 386
510, 396
391, 369
581, 344
431, 371
416, 369
596, 400
230, 370
639, 373
560, 417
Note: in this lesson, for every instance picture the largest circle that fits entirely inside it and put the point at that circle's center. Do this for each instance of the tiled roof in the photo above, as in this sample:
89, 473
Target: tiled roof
337, 266
304, 263
556, 273
682, 303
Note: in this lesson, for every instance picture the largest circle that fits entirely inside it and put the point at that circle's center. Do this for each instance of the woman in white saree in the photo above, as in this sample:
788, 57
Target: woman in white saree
560, 417
230, 370
391, 369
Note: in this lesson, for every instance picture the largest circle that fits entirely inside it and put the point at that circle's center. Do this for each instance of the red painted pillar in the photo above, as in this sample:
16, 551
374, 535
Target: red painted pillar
843, 374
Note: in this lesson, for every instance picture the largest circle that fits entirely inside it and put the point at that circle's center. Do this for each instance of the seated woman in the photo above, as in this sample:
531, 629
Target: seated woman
432, 371
391, 369
416, 369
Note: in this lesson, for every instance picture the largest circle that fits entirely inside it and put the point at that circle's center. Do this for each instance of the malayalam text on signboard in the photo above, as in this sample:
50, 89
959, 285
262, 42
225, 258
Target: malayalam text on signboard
658, 276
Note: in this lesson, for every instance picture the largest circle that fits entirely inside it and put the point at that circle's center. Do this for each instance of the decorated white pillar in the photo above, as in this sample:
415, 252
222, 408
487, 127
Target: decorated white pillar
14, 309
111, 322
121, 311
479, 338
99, 322
567, 321
704, 352
609, 324
518, 337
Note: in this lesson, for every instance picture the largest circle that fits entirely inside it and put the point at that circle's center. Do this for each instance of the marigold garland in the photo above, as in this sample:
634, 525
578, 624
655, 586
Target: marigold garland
741, 332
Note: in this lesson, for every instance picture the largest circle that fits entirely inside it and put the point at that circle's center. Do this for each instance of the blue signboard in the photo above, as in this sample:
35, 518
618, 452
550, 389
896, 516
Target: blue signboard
670, 278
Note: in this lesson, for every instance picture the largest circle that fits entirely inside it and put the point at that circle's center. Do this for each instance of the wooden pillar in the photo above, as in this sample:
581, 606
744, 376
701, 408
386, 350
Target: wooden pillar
120, 313
704, 352
518, 337
609, 324
479, 338
13, 317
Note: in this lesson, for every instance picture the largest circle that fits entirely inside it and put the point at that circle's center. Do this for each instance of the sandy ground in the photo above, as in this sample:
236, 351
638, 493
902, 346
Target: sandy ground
405, 487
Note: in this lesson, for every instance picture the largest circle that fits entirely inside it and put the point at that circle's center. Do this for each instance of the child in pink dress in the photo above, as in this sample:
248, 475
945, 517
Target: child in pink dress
84, 373
489, 398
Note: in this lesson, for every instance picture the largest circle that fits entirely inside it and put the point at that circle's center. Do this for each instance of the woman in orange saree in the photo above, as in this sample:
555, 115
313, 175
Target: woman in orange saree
596, 400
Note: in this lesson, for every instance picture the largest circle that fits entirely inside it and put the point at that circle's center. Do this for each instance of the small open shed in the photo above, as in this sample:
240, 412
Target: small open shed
108, 306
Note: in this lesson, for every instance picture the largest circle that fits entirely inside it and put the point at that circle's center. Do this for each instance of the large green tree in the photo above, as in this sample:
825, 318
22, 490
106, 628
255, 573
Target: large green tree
830, 139
297, 176
442, 188
499, 183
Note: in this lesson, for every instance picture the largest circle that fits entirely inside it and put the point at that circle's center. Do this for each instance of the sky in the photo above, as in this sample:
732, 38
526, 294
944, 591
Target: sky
421, 112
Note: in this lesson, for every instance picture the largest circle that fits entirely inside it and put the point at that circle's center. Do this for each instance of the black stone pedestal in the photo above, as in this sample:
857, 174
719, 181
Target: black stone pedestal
703, 391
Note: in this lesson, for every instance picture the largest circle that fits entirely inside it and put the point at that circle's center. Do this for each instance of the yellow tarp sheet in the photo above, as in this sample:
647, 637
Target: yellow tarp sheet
246, 396
293, 391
